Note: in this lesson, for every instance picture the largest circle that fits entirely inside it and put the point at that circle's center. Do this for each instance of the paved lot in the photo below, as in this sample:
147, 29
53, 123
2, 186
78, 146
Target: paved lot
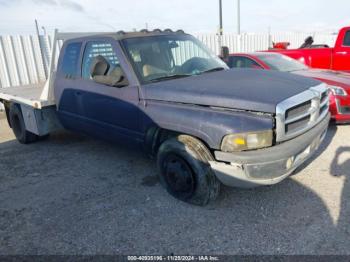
75, 195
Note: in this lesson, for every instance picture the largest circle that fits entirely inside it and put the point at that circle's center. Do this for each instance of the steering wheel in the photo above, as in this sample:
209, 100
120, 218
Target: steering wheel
194, 65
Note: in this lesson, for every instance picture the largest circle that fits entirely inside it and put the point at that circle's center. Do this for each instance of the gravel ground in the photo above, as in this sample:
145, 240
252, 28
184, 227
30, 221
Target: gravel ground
75, 195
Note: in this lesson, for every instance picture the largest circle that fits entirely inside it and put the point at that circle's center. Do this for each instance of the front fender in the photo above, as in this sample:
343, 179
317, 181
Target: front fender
206, 123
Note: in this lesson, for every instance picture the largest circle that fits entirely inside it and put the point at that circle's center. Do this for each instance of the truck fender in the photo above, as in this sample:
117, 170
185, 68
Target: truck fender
204, 123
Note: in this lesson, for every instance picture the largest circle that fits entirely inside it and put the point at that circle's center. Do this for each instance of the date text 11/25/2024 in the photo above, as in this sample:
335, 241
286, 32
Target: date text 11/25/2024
173, 258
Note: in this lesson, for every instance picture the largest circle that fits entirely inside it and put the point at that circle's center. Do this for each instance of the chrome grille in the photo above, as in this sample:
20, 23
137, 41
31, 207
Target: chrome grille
324, 96
302, 112
297, 110
292, 127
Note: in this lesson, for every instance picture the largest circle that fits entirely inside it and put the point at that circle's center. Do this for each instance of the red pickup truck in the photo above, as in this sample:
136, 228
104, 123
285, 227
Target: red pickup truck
322, 56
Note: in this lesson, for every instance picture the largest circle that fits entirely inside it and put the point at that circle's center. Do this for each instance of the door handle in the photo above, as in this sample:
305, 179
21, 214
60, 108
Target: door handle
342, 53
77, 93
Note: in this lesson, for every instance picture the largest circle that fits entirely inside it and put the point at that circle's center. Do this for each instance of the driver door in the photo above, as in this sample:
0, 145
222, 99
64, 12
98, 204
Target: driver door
110, 112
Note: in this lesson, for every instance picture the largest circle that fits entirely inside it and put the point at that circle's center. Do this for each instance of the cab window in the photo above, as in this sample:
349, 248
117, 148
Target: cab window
94, 49
70, 60
243, 62
347, 39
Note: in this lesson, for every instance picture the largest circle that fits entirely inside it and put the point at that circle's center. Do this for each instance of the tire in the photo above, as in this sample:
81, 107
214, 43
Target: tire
18, 126
185, 172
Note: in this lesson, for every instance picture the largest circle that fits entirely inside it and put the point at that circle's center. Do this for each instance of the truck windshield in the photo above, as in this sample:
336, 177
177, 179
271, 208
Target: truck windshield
282, 63
164, 57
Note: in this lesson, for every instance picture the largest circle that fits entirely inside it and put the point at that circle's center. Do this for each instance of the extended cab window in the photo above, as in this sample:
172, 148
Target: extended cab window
94, 49
347, 39
242, 62
70, 60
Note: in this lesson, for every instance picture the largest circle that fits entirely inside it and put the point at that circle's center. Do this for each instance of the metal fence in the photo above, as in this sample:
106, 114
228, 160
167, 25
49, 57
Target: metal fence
256, 42
25, 59
21, 61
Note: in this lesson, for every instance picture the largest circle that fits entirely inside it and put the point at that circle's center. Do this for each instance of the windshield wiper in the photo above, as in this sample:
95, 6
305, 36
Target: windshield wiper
169, 77
214, 70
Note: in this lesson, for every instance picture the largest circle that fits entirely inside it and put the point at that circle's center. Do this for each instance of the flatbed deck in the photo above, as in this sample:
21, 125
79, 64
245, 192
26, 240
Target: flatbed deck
28, 95
41, 95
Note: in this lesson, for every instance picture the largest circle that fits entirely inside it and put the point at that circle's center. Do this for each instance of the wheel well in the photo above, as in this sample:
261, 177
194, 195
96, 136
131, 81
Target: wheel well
156, 136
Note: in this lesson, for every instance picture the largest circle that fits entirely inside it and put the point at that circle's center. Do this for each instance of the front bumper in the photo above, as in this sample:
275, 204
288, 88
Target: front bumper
271, 165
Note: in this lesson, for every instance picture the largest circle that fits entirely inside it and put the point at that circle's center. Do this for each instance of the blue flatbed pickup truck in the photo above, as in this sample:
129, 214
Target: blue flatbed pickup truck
166, 93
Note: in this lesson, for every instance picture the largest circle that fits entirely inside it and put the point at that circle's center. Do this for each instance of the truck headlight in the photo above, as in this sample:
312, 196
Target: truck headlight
247, 141
338, 91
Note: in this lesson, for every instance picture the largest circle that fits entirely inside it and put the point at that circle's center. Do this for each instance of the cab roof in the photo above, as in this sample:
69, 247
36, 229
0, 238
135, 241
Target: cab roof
121, 35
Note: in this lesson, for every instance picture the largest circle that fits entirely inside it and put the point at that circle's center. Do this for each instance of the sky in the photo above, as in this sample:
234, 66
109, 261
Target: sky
194, 16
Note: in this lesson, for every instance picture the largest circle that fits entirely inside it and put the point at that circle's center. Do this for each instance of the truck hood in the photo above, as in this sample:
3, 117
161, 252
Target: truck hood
242, 89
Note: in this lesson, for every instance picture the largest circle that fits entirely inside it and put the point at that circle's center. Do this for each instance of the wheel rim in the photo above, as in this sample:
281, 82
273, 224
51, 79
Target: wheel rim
179, 176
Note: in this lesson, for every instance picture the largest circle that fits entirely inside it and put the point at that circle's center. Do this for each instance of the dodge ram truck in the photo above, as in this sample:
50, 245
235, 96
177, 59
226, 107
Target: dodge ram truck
164, 92
323, 56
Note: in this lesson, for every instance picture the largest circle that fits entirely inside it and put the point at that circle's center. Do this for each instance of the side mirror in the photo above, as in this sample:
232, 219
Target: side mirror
173, 45
225, 53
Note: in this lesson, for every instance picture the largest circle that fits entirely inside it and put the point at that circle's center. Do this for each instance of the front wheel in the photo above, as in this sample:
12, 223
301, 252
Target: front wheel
184, 170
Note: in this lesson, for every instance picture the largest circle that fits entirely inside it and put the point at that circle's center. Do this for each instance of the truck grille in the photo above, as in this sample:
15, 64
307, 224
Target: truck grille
302, 112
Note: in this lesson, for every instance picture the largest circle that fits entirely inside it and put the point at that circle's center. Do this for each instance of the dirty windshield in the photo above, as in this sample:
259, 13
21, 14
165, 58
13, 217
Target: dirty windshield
164, 57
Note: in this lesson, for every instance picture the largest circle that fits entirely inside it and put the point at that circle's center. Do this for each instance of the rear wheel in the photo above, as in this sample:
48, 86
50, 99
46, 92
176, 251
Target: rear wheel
18, 126
183, 164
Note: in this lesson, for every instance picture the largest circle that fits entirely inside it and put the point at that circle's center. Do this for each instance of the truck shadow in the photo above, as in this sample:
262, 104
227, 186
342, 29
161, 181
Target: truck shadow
340, 168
